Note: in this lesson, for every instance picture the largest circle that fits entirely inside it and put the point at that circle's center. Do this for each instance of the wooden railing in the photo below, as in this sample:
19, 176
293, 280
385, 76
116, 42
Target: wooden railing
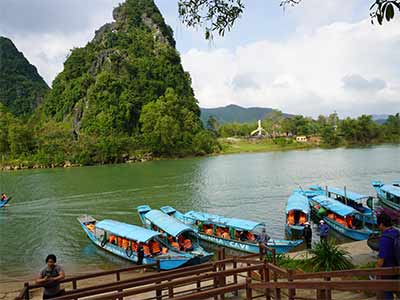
158, 282
215, 279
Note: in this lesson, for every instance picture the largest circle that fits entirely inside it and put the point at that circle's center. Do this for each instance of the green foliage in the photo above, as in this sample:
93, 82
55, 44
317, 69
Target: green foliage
21, 87
169, 128
327, 256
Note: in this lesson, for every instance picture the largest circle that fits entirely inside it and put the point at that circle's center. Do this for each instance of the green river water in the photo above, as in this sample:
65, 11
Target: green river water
41, 217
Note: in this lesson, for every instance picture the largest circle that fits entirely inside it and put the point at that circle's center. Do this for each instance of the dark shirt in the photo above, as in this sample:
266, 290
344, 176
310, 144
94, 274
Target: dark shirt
386, 247
323, 230
51, 288
307, 232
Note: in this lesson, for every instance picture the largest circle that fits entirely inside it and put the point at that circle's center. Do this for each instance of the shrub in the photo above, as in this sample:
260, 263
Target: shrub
327, 256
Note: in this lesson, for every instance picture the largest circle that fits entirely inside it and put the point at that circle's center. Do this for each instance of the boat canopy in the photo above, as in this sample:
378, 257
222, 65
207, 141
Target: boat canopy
298, 201
168, 224
128, 231
335, 206
227, 222
391, 189
348, 194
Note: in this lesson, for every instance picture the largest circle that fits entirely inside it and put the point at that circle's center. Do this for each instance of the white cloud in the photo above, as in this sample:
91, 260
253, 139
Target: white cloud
304, 74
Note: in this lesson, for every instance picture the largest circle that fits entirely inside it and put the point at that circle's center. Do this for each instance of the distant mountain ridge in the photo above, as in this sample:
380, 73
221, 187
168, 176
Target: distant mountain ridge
236, 114
21, 87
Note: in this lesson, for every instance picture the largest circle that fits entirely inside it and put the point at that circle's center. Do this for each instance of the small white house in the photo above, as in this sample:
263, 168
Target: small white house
301, 138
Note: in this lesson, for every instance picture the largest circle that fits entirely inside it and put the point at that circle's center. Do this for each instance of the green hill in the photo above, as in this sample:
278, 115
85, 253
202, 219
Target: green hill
21, 87
236, 114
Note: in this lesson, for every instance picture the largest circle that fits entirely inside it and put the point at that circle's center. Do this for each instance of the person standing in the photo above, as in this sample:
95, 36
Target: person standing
140, 254
50, 277
387, 249
323, 231
307, 234
263, 237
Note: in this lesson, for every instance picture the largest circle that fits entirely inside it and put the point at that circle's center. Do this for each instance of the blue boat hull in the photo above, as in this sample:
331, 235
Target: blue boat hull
4, 203
281, 246
165, 264
354, 234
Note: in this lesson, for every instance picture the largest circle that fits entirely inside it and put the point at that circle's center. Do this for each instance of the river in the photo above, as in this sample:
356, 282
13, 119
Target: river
41, 217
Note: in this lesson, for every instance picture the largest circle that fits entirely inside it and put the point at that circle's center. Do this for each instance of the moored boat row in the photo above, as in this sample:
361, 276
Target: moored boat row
172, 237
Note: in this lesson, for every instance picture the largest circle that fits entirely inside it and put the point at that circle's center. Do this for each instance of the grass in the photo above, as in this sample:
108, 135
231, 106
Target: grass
231, 146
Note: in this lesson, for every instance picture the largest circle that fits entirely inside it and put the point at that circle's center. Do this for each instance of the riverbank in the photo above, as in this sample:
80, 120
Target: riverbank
242, 145
227, 146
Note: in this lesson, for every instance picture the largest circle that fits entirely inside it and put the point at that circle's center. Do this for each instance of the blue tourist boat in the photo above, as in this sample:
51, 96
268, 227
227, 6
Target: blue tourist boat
297, 214
340, 217
388, 194
237, 234
3, 203
179, 235
362, 203
122, 240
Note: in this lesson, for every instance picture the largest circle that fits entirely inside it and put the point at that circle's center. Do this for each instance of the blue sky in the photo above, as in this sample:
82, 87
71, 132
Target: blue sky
315, 58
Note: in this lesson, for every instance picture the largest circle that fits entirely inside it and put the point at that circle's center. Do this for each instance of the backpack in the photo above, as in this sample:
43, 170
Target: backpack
396, 246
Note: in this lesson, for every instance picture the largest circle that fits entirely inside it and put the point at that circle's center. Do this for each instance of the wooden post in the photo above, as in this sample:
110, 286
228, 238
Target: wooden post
277, 291
26, 296
266, 278
170, 291
379, 294
291, 292
215, 276
274, 256
74, 284
235, 277
249, 292
328, 292
262, 250
117, 274
198, 284
158, 291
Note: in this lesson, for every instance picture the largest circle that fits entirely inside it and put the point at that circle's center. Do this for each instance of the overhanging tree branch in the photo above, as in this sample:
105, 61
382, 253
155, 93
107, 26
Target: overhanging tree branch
220, 15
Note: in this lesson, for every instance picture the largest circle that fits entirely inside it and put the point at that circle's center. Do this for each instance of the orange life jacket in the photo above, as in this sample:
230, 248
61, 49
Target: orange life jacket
164, 250
125, 243
134, 246
188, 244
218, 231
209, 231
302, 219
290, 219
175, 245
155, 248
146, 250
111, 239
250, 236
90, 227
226, 235
120, 242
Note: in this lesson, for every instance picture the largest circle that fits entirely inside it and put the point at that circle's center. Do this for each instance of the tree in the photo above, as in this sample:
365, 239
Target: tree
213, 124
169, 128
220, 15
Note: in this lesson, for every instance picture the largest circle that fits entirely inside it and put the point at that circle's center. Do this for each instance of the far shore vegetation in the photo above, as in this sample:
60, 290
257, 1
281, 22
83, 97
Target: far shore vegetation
22, 146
